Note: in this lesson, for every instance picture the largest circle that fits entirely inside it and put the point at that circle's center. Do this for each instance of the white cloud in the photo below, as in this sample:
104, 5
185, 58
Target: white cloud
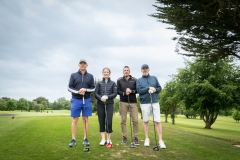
43, 41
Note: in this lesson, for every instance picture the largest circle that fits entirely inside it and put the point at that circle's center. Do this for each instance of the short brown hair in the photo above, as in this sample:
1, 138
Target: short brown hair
126, 67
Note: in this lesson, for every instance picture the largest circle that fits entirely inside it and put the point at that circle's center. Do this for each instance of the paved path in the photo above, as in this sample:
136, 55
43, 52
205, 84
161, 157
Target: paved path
8, 114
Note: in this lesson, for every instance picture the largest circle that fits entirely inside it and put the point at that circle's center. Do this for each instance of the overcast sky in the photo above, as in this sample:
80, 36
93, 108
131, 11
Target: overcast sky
42, 41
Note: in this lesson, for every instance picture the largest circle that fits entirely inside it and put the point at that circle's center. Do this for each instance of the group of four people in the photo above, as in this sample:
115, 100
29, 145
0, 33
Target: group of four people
81, 85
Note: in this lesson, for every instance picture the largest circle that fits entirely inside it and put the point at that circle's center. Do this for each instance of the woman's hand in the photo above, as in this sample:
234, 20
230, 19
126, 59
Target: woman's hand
104, 98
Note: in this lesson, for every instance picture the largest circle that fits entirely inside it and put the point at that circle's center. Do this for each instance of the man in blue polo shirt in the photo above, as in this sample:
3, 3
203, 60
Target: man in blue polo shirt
81, 85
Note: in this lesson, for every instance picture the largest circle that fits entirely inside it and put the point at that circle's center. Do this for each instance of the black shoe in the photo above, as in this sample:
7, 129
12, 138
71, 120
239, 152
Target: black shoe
136, 143
124, 140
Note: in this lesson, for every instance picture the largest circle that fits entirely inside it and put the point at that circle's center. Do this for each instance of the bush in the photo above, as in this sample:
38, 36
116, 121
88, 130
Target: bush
236, 115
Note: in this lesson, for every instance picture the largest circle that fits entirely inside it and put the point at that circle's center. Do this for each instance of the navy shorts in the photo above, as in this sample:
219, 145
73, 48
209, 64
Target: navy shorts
77, 107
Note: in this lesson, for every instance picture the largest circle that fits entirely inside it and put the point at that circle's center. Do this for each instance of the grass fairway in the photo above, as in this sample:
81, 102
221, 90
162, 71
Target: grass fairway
45, 136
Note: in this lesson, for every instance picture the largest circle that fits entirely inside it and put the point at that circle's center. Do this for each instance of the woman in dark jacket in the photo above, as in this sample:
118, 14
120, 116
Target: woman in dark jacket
105, 92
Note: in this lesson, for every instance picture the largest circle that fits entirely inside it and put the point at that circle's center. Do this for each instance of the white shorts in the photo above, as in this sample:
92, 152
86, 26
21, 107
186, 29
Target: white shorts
147, 111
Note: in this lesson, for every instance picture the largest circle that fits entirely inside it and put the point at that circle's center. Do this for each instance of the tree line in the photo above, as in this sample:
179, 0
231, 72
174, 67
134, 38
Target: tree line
39, 104
201, 89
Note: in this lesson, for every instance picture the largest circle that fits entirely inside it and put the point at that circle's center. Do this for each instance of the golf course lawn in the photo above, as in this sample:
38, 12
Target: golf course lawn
45, 136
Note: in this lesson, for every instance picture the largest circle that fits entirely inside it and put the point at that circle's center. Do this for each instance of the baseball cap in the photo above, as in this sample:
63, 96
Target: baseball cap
83, 60
144, 66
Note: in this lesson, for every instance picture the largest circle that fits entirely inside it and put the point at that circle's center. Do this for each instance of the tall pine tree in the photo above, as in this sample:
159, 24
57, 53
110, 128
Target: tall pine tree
206, 28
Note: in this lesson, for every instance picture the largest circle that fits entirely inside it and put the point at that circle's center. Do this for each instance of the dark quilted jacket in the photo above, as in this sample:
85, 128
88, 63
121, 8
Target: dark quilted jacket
109, 89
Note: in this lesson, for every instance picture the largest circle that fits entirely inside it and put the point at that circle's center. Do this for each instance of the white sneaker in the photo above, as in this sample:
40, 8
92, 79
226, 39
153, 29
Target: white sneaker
109, 141
147, 142
109, 144
162, 145
102, 143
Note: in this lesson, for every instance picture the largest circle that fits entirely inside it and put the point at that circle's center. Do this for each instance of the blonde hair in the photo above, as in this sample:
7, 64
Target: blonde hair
107, 69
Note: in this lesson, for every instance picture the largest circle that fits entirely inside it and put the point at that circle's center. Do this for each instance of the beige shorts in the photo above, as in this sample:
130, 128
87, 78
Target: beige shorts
147, 111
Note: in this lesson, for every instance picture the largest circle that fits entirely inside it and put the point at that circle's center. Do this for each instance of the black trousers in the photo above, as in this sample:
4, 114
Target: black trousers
105, 124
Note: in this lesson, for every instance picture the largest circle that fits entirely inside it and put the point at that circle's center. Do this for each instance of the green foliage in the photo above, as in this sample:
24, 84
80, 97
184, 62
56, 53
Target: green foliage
94, 100
61, 103
165, 108
226, 112
138, 105
116, 105
22, 104
206, 28
31, 105
3, 104
236, 115
35, 106
8, 104
170, 99
190, 113
39, 100
11, 105
209, 87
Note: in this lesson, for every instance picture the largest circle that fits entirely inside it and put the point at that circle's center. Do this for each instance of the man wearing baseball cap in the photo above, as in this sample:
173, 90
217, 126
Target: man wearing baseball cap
148, 88
81, 84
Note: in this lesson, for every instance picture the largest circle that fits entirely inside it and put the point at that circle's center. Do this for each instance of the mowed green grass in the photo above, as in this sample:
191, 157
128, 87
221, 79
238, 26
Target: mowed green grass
33, 136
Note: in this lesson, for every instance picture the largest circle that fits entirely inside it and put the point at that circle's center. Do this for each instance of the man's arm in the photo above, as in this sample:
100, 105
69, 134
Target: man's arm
71, 85
92, 86
140, 88
97, 96
158, 86
134, 90
119, 89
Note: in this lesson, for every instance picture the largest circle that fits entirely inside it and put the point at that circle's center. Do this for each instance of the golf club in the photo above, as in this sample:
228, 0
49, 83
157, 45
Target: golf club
156, 148
132, 144
86, 148
108, 145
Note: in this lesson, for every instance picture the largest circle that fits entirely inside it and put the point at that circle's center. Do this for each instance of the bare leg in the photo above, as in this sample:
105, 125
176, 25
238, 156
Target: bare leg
159, 130
108, 135
85, 126
103, 135
74, 127
145, 129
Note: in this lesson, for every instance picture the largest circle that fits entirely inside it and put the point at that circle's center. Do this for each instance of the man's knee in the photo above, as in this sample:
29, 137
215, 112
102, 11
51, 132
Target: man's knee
75, 120
85, 119
145, 123
135, 117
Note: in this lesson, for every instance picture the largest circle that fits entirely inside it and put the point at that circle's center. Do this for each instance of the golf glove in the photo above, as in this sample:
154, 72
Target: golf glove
150, 91
105, 97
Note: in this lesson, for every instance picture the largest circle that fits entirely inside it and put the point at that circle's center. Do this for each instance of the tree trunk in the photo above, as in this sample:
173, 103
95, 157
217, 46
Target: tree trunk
166, 116
173, 118
209, 117
173, 113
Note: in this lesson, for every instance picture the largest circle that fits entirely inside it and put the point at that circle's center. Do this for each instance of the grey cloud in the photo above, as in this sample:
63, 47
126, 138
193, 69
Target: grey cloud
42, 42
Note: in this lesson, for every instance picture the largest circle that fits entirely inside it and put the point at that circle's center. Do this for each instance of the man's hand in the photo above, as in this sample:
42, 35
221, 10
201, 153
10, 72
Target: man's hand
152, 89
82, 91
128, 91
